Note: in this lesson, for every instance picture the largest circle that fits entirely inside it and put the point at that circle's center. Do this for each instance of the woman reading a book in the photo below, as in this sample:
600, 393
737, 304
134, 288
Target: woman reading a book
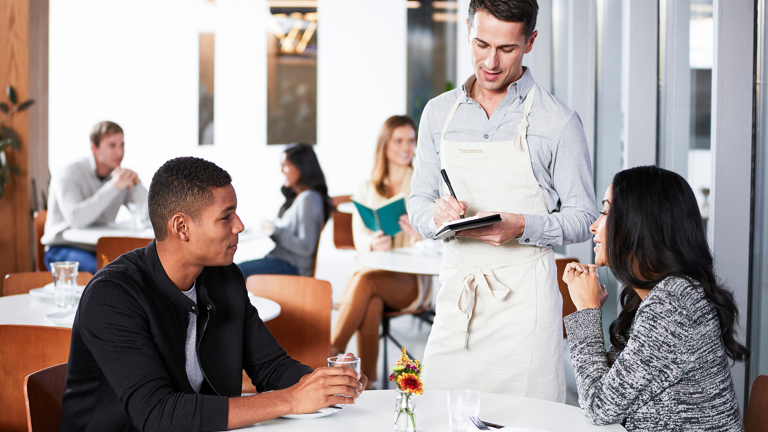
371, 290
301, 218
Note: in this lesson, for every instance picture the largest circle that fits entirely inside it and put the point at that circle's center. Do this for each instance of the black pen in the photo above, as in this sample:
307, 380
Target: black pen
450, 188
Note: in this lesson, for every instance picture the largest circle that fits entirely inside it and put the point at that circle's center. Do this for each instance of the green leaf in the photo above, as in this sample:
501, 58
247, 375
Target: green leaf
4, 107
26, 104
15, 170
4, 145
9, 134
11, 95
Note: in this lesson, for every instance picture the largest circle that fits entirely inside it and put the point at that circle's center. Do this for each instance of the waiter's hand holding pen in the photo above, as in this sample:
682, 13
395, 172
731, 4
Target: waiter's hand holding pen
448, 208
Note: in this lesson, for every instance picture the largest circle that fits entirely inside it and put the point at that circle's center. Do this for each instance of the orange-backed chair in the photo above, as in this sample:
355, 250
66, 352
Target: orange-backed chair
109, 249
303, 327
22, 283
38, 223
568, 306
43, 391
757, 410
342, 224
23, 350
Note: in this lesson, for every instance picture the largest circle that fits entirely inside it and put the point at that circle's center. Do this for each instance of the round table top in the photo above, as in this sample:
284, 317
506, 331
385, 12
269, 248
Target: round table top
91, 235
25, 309
347, 207
404, 260
374, 411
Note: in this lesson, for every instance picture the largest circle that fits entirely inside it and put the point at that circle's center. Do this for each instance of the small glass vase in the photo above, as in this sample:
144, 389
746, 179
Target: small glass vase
405, 412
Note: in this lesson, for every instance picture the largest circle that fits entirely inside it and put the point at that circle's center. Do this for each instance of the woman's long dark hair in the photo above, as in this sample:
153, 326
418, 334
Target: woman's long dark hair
654, 230
305, 160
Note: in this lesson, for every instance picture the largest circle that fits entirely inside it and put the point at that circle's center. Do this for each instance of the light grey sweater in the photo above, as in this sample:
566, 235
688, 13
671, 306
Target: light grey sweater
673, 374
79, 198
297, 232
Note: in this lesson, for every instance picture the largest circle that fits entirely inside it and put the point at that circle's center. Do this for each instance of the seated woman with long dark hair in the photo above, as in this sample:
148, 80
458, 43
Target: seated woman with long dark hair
668, 367
301, 218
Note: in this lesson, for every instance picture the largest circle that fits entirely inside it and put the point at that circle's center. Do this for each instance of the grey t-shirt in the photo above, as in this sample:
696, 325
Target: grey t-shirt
194, 373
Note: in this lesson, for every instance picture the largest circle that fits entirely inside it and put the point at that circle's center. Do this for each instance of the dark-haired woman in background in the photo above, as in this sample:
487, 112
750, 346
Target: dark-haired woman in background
301, 218
668, 367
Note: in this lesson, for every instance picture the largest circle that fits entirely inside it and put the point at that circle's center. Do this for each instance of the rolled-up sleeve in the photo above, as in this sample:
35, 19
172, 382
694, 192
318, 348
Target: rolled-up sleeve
571, 173
425, 186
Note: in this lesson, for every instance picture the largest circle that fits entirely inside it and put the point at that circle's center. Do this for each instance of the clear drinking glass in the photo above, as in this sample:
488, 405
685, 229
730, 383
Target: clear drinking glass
345, 361
64, 283
461, 405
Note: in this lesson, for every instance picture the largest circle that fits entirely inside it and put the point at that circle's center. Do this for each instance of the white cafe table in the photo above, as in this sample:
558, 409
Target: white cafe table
91, 235
374, 411
404, 260
25, 309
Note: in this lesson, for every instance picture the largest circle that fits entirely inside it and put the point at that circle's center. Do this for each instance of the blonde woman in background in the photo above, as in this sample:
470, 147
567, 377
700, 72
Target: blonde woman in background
370, 291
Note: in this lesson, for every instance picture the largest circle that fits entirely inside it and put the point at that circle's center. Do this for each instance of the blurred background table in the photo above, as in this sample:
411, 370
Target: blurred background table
404, 260
374, 411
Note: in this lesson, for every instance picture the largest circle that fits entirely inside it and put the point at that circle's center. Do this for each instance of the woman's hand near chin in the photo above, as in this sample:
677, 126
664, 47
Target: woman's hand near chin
584, 286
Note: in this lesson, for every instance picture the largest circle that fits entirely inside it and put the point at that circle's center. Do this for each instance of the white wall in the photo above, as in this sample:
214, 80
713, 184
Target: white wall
136, 62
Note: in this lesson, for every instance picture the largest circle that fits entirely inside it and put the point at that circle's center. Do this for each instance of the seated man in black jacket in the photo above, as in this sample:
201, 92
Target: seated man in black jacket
163, 333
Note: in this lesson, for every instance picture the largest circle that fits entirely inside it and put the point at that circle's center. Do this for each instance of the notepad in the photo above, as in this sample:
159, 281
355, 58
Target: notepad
451, 228
384, 217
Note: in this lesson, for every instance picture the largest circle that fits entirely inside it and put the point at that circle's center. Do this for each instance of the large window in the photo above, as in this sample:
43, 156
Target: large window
292, 73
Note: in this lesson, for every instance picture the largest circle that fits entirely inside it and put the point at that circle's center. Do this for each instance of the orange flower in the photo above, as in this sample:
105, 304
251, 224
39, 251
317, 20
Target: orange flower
410, 383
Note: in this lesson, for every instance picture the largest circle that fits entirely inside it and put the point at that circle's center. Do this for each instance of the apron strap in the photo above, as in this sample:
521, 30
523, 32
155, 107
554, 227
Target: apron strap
522, 127
478, 276
450, 116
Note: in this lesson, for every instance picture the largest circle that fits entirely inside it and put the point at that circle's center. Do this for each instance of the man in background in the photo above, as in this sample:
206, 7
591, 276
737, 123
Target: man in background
90, 192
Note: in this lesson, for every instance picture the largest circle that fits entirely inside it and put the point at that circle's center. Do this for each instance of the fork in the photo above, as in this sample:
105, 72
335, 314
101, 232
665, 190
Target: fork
478, 423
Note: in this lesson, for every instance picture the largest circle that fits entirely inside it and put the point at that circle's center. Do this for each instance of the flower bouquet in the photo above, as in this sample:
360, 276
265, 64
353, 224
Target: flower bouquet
407, 375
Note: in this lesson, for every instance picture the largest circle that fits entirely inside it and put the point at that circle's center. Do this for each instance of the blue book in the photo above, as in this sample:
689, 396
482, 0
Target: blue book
384, 217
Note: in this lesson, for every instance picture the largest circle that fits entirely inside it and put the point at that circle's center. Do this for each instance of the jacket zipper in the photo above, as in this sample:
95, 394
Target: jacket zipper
197, 352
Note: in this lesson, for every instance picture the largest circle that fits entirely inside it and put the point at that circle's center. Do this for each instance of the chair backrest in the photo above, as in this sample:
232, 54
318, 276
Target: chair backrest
757, 410
23, 350
39, 228
43, 391
303, 327
22, 283
342, 225
110, 248
568, 306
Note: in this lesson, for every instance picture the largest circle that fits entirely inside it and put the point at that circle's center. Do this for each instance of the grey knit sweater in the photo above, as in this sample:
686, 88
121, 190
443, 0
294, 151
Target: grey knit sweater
673, 374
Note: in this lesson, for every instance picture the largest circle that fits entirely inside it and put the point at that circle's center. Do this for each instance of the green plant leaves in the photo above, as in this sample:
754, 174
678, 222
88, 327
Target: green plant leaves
9, 134
11, 95
26, 104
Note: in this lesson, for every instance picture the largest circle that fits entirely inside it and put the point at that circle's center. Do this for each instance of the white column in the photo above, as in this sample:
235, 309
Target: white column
732, 95
361, 81
639, 82
464, 67
540, 58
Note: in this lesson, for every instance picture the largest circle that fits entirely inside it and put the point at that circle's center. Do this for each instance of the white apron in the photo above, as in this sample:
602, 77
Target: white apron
498, 327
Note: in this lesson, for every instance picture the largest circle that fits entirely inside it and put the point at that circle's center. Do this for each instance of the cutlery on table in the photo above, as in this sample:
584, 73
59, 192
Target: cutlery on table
483, 425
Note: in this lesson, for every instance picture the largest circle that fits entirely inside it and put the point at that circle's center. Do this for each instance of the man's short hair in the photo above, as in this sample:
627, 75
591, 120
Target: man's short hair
524, 11
183, 185
104, 129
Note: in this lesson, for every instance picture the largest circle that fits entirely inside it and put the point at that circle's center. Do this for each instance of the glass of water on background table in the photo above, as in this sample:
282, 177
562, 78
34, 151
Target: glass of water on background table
345, 361
64, 283
461, 405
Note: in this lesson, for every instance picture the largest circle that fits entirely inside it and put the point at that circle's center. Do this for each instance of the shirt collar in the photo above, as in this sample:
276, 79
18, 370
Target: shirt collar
519, 88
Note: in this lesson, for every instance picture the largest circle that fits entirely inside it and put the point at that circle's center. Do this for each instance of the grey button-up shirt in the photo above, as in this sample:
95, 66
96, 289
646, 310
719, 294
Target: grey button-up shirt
558, 149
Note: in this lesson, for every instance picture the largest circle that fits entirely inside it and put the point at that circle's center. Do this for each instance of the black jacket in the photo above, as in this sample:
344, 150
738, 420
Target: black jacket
127, 356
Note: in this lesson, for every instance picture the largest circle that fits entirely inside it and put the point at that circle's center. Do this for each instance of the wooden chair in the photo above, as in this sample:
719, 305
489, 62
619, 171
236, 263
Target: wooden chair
43, 391
568, 306
303, 328
22, 283
38, 223
342, 224
757, 410
24, 350
110, 248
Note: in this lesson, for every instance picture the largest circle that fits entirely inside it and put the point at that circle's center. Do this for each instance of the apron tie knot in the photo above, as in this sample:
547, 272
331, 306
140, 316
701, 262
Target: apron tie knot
522, 129
478, 276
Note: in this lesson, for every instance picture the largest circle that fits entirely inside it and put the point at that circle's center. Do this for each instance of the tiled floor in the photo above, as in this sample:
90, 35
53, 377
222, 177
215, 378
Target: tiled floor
334, 265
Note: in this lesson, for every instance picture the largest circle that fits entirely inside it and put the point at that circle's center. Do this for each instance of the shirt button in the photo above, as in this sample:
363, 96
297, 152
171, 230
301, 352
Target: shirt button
209, 307
485, 136
193, 308
527, 240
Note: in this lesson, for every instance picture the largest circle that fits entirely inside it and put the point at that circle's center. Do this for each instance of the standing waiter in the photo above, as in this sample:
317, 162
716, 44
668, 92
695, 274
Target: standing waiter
508, 147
